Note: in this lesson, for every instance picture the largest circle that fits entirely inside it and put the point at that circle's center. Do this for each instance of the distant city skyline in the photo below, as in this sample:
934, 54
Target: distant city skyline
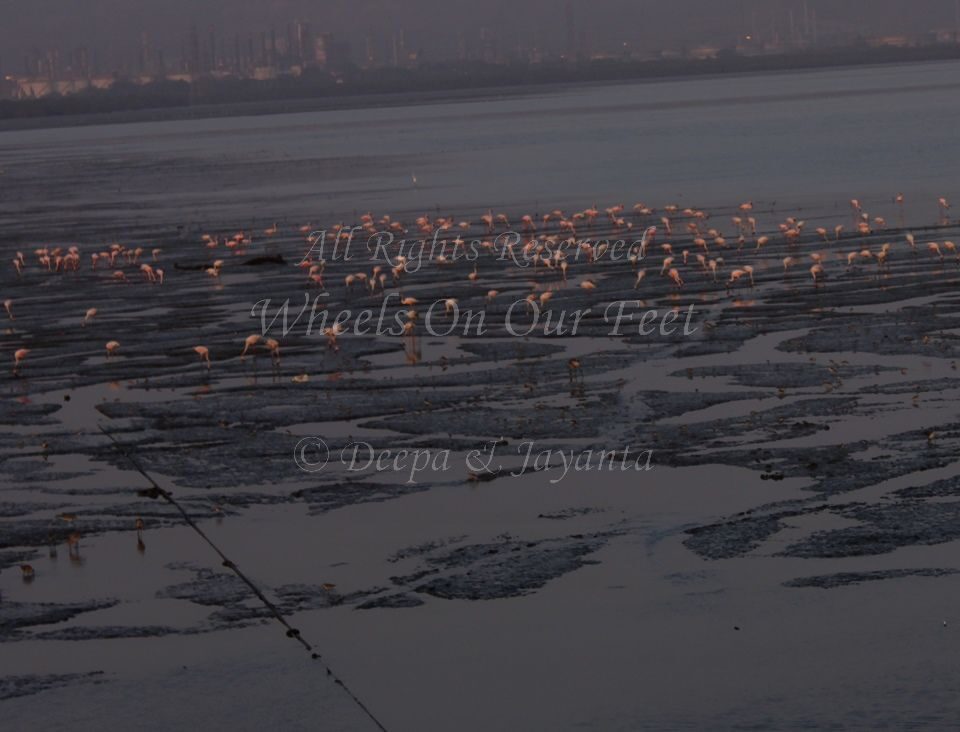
132, 36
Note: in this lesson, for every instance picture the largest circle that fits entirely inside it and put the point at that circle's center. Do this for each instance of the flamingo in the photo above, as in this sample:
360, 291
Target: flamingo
18, 356
331, 333
273, 346
204, 353
249, 342
714, 267
738, 274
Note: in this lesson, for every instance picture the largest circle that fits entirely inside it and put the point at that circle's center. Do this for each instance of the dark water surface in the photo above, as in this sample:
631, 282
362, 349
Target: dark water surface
798, 139
789, 563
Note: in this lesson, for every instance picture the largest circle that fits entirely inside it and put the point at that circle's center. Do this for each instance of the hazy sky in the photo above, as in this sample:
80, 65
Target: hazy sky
436, 23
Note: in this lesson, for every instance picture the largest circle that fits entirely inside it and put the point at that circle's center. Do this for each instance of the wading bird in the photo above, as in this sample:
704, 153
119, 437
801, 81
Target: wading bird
249, 342
204, 353
18, 356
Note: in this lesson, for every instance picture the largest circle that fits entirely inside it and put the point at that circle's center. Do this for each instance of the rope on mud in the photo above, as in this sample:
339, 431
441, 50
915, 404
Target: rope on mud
229, 564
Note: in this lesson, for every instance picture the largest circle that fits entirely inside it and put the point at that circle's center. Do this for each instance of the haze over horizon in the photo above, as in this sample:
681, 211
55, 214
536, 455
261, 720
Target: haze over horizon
114, 27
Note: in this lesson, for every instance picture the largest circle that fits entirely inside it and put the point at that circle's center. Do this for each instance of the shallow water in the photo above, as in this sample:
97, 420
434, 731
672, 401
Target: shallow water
793, 140
788, 562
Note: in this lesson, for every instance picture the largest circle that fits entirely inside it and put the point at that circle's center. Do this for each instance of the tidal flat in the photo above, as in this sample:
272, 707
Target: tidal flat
801, 440
787, 562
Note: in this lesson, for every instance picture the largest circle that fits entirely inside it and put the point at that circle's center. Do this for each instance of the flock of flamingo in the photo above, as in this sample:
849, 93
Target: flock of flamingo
685, 242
